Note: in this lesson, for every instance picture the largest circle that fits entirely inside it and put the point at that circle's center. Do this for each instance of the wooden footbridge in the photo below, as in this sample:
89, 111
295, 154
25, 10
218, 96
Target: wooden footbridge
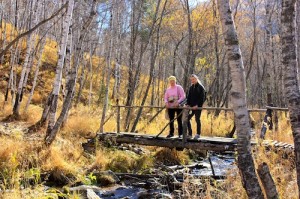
204, 143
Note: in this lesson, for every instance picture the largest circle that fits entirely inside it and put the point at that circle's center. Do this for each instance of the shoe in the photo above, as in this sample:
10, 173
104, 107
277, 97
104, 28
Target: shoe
180, 136
170, 135
197, 137
189, 136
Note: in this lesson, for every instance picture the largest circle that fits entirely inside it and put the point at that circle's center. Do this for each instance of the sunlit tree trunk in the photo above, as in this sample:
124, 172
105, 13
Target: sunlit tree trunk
59, 69
36, 73
70, 86
289, 61
25, 68
298, 36
111, 42
91, 77
189, 67
239, 103
3, 35
135, 19
268, 47
153, 55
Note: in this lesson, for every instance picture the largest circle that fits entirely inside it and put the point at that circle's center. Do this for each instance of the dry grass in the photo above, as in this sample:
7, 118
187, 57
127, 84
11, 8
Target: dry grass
82, 123
101, 160
37, 98
170, 157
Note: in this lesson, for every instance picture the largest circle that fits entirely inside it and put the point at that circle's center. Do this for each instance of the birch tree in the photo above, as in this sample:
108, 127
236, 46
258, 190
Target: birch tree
25, 69
268, 47
298, 36
239, 102
289, 61
59, 68
153, 55
109, 58
36, 72
70, 86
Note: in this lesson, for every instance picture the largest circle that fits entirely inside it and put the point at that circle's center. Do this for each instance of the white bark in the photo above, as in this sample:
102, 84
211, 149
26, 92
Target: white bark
91, 76
26, 66
36, 73
70, 87
32, 43
298, 37
291, 84
268, 52
108, 66
60, 65
239, 103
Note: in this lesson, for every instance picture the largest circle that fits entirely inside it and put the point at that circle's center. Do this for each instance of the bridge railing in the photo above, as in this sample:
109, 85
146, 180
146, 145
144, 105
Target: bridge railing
266, 122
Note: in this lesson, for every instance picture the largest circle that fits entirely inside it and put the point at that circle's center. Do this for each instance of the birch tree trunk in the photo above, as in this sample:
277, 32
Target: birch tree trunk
238, 97
289, 61
24, 73
59, 68
3, 35
153, 56
298, 36
189, 59
91, 77
135, 19
70, 87
268, 51
36, 73
108, 65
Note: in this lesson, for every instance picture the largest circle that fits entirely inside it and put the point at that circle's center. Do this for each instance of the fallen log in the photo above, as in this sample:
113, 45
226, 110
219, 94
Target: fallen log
267, 181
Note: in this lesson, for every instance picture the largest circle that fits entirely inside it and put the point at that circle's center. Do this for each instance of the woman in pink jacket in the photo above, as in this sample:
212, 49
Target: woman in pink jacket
174, 95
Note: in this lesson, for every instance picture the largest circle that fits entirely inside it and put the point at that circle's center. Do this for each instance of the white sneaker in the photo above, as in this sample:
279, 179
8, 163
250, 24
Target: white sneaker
189, 137
196, 137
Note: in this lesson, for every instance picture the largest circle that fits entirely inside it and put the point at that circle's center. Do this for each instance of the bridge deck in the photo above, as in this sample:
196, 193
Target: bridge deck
204, 143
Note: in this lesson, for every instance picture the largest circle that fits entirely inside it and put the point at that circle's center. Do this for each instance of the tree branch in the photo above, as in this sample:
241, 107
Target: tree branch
3, 52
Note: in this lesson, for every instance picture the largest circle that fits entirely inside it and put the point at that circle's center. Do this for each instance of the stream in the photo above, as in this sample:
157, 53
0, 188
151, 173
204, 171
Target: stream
222, 163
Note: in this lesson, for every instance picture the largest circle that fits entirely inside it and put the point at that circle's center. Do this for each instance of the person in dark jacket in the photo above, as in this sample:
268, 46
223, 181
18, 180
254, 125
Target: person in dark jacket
195, 99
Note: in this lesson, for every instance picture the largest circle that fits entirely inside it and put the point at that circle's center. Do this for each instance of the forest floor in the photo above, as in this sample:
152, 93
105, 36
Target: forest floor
28, 169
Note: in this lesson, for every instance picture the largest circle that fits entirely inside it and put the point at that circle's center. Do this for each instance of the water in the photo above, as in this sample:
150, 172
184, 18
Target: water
222, 163
131, 192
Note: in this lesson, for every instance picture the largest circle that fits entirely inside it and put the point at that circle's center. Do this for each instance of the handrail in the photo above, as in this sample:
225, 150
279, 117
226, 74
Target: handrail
185, 114
204, 108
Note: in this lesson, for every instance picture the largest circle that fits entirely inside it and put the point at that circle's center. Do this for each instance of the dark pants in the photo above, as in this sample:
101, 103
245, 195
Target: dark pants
171, 113
197, 114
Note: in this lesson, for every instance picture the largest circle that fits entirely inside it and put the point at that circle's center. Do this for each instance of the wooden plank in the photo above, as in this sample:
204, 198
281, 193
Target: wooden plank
210, 144
204, 139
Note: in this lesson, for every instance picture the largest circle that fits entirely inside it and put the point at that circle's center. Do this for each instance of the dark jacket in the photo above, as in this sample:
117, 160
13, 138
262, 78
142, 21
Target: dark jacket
196, 95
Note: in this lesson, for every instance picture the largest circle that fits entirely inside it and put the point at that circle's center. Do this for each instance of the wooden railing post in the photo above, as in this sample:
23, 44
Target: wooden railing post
185, 115
118, 116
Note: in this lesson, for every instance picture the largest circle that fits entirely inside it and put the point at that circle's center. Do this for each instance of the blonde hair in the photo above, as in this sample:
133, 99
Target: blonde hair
198, 80
172, 78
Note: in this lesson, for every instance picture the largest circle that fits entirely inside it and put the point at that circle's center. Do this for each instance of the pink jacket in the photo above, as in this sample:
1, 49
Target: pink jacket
175, 93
